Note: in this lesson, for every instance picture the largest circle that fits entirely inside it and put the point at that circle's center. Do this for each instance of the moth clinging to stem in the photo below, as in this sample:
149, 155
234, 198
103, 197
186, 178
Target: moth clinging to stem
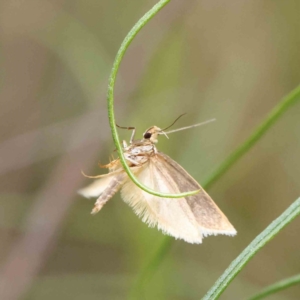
189, 218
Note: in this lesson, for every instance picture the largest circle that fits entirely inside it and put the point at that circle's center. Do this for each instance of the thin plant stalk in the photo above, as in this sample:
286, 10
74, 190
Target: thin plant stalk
110, 99
261, 240
271, 118
137, 291
276, 287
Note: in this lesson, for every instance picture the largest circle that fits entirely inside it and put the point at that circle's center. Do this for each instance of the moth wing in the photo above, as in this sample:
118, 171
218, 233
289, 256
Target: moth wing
96, 188
173, 216
209, 217
187, 218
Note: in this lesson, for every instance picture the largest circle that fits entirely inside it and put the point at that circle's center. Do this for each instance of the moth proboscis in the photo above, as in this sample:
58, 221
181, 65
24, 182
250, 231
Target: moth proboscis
190, 218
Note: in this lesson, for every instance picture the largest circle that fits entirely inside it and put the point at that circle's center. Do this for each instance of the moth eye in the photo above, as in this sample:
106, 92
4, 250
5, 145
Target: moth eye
147, 135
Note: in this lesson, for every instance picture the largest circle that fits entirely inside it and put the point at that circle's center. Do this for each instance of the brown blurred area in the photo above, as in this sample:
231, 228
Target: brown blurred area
229, 60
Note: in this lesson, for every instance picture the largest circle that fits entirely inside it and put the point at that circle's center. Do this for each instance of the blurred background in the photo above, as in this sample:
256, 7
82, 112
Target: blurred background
229, 60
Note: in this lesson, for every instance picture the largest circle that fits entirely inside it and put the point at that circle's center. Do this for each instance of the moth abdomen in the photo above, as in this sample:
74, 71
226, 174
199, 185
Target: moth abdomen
113, 186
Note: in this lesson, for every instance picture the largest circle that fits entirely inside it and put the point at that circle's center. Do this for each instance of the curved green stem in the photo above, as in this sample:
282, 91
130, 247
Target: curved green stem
263, 238
276, 287
110, 99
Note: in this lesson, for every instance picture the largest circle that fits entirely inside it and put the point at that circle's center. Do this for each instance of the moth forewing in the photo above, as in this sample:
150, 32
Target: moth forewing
172, 216
207, 214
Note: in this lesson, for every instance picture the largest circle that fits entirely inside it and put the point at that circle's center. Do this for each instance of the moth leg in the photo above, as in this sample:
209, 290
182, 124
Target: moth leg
129, 128
110, 165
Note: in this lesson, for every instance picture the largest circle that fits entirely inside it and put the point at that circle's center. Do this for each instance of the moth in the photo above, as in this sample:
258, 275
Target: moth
190, 218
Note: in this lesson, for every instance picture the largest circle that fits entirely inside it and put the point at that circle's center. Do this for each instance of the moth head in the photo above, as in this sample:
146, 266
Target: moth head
151, 134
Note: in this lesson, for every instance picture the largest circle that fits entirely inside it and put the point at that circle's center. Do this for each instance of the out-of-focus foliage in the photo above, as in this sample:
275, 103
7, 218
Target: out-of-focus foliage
230, 60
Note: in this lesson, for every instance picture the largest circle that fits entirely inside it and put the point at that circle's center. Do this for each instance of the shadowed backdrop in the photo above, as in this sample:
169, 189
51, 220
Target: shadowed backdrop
233, 61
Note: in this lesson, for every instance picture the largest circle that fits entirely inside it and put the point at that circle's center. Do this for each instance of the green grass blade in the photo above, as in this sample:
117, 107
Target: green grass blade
149, 270
262, 239
273, 116
276, 287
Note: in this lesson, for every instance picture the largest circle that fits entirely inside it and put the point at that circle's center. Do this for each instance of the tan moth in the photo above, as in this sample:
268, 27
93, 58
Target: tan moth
190, 218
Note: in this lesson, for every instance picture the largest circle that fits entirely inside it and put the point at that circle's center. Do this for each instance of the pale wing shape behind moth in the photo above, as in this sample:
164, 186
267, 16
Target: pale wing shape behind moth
104, 188
188, 218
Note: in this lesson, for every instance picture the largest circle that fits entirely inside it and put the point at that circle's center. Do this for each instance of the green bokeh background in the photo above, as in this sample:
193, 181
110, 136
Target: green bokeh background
229, 60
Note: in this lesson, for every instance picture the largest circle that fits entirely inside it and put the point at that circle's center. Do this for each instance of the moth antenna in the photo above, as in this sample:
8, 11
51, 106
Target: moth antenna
191, 126
174, 122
